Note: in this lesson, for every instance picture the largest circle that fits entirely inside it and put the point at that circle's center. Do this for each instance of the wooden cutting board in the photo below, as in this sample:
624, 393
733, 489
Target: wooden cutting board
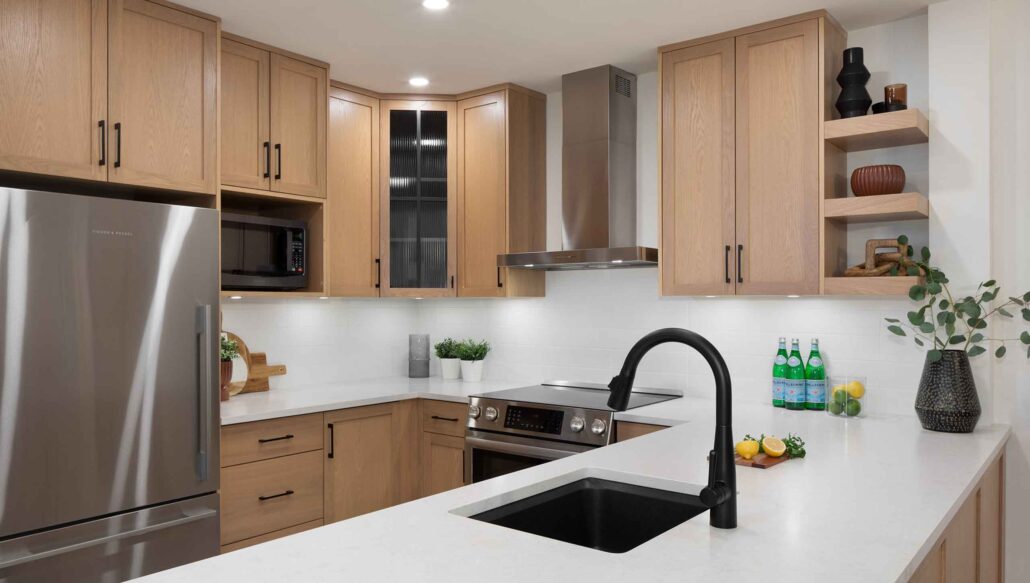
761, 461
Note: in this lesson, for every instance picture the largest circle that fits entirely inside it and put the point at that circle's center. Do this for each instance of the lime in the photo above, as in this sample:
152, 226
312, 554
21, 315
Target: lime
840, 396
836, 408
854, 408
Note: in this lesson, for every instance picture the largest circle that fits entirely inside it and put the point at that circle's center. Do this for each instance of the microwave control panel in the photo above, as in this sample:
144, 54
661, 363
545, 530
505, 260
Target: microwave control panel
297, 251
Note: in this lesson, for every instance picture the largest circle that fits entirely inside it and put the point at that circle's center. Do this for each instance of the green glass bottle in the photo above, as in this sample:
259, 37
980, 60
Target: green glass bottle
794, 383
779, 373
815, 380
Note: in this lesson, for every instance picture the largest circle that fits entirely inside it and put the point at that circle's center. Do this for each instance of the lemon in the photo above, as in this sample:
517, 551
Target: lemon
747, 449
856, 389
773, 446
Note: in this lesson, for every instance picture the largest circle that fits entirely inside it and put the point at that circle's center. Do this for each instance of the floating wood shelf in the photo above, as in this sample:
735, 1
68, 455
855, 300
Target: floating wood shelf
869, 286
881, 130
885, 207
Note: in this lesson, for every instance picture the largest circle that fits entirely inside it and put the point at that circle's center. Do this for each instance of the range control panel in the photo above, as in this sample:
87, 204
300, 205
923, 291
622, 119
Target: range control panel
531, 419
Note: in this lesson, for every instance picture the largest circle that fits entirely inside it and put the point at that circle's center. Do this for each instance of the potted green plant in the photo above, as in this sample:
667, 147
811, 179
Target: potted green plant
447, 352
228, 350
953, 329
472, 354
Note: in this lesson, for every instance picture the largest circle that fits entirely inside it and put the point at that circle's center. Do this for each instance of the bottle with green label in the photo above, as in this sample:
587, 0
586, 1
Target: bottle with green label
794, 383
779, 373
815, 380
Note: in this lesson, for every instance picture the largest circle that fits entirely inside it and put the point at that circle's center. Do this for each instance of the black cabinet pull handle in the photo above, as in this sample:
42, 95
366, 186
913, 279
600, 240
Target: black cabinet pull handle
332, 441
451, 419
499, 284
278, 161
103, 142
268, 159
118, 145
271, 439
740, 266
379, 273
452, 281
279, 495
726, 263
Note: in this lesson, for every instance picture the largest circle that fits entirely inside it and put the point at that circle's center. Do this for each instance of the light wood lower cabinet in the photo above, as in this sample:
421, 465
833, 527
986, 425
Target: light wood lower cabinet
626, 430
269, 495
443, 463
271, 536
971, 548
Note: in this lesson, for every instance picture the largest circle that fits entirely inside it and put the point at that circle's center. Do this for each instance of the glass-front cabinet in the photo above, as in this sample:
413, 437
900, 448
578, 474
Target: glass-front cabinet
418, 198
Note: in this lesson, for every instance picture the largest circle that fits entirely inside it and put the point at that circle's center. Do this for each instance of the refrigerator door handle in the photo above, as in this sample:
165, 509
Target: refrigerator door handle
203, 390
26, 556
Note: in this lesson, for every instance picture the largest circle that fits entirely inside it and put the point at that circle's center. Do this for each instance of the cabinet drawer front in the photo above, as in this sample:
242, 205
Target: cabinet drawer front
444, 417
261, 440
269, 495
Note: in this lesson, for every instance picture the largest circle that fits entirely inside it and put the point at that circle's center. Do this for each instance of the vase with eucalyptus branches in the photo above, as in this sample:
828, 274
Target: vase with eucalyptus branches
953, 329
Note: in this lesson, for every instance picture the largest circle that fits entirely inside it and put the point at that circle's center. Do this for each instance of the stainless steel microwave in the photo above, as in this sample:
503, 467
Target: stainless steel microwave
263, 253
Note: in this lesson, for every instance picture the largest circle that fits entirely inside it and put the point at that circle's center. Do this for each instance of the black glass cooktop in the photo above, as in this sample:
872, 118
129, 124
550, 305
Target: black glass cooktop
585, 396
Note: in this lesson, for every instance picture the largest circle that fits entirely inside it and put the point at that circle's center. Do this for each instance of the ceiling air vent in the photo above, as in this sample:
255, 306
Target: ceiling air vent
623, 86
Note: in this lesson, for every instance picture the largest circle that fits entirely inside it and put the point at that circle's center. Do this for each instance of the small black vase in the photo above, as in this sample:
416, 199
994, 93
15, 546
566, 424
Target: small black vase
947, 399
854, 100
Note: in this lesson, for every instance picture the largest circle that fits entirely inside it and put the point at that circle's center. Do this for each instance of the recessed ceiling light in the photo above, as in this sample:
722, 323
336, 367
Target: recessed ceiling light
418, 81
435, 4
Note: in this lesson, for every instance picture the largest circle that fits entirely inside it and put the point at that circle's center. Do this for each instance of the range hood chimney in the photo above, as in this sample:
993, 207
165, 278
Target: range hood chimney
599, 177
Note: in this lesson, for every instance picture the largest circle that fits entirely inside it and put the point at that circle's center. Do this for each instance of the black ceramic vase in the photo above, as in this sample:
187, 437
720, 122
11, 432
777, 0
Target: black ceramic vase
854, 100
947, 399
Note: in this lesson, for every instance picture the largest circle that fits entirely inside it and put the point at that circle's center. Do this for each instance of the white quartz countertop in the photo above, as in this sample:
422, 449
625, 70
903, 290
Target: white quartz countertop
285, 402
865, 505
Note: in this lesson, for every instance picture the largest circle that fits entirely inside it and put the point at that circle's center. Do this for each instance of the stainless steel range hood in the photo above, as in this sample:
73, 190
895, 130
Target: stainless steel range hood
599, 177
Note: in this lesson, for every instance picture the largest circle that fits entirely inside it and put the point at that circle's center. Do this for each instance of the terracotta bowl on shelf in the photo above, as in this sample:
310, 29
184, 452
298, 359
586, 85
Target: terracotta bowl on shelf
878, 179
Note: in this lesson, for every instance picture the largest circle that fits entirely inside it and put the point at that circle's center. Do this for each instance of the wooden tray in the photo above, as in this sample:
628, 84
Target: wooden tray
761, 461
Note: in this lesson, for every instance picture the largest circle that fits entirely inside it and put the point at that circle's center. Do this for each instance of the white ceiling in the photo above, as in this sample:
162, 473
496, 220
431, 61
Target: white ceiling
380, 44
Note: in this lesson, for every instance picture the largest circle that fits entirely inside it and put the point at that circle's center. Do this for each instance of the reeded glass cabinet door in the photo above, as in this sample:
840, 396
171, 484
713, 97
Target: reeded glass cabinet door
418, 196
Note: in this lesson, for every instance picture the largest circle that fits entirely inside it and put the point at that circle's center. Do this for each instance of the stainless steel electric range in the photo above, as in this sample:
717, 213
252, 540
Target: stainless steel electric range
519, 428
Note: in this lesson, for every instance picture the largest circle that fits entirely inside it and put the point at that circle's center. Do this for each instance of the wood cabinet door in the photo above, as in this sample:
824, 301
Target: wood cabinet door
698, 148
298, 124
482, 194
353, 194
53, 70
162, 97
359, 472
443, 463
777, 166
246, 147
417, 206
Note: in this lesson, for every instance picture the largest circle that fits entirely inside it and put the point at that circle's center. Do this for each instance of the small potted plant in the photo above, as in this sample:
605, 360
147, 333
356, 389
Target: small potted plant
472, 354
447, 352
953, 329
228, 350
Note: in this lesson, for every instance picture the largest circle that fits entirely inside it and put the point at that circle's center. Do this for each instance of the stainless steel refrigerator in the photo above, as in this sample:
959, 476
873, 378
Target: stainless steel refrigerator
109, 397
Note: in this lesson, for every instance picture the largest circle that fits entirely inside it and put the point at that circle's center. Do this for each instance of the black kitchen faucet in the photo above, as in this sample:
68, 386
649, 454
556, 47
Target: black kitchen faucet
720, 495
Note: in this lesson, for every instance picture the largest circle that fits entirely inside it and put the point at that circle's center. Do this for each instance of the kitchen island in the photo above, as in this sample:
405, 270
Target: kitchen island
868, 503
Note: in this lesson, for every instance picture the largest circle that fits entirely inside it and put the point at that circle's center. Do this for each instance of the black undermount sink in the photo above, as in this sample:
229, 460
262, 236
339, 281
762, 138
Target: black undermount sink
601, 514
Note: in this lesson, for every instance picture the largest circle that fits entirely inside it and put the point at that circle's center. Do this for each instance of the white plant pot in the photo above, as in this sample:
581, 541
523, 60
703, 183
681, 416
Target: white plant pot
472, 371
450, 368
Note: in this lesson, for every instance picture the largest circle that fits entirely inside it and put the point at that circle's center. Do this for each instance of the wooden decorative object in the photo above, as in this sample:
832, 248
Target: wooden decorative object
258, 369
880, 264
761, 461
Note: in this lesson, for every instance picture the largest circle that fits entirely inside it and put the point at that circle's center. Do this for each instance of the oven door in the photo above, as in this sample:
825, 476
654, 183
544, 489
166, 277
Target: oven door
488, 455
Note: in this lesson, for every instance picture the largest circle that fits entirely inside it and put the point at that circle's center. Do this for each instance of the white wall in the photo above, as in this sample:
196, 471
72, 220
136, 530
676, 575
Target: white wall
1010, 255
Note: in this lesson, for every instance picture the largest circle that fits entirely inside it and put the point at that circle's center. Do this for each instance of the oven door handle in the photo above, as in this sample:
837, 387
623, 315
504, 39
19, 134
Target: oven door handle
518, 448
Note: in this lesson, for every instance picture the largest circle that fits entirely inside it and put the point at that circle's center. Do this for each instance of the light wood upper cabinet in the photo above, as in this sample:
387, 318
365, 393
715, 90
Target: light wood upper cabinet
698, 149
501, 199
778, 148
53, 67
742, 160
162, 97
298, 101
482, 194
353, 194
246, 147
